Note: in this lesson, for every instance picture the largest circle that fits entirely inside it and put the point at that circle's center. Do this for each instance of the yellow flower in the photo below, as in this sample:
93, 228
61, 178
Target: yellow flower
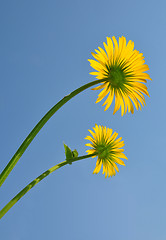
123, 72
107, 149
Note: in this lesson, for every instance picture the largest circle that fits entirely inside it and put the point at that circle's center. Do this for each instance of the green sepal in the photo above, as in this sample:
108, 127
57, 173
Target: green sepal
75, 153
70, 154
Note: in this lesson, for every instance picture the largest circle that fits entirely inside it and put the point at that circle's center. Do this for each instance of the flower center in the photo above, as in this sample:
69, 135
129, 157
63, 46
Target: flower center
102, 151
116, 77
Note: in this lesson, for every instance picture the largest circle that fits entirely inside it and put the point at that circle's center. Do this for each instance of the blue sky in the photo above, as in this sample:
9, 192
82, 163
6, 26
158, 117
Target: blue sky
44, 47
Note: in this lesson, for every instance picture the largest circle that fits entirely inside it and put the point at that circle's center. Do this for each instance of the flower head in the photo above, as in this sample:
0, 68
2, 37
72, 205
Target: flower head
108, 149
123, 72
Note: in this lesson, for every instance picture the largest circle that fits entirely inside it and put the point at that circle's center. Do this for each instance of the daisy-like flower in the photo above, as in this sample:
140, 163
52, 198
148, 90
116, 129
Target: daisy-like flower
107, 148
123, 72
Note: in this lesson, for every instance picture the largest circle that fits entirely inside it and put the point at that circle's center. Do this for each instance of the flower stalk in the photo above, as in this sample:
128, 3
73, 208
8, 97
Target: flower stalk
38, 127
37, 180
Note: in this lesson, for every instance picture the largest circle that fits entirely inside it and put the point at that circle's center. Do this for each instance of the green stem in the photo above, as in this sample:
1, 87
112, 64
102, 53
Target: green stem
37, 180
38, 127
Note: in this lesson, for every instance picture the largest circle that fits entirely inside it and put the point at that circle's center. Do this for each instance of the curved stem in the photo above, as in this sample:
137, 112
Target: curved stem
38, 127
37, 180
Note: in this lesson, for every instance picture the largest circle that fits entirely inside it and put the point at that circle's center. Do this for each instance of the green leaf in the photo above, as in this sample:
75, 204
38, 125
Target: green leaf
70, 154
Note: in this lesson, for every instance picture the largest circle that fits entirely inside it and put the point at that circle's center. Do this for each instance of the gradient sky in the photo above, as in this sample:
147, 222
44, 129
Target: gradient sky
44, 47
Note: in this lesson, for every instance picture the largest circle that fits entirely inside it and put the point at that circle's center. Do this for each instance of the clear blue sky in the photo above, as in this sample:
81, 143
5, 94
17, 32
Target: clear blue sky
44, 47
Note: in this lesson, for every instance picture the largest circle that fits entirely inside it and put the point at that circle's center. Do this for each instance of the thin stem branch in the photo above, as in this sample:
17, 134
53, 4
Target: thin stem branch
38, 127
37, 180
